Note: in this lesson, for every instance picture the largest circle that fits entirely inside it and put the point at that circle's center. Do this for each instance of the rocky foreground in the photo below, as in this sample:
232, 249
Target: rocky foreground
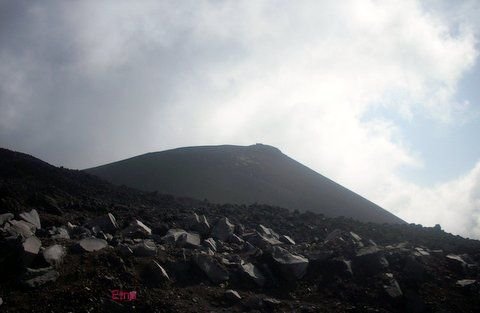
72, 243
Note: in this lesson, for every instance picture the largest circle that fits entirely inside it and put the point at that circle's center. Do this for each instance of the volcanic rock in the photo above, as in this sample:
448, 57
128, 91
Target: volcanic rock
210, 243
21, 228
291, 266
5, 218
38, 277
92, 244
210, 266
54, 254
223, 229
189, 240
199, 224
145, 248
253, 273
32, 217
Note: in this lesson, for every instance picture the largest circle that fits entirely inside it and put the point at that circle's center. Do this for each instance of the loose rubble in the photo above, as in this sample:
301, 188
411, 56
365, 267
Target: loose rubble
185, 255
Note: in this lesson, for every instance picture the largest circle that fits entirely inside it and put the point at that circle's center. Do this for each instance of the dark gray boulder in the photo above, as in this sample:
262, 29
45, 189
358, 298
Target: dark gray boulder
37, 277
215, 272
253, 273
291, 266
223, 229
5, 218
145, 248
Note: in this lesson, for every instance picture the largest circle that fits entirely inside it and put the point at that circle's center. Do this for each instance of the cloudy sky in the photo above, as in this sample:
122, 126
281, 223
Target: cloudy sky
380, 96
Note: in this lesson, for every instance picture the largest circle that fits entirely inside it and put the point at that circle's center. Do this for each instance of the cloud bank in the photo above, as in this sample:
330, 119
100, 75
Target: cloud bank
84, 83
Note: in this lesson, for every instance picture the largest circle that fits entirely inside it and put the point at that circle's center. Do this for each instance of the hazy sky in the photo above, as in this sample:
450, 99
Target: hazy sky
380, 96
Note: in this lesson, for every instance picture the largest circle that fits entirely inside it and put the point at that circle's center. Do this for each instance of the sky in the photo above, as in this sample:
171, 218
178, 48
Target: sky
380, 96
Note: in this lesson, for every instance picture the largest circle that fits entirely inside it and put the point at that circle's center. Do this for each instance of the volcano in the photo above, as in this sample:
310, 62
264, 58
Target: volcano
241, 175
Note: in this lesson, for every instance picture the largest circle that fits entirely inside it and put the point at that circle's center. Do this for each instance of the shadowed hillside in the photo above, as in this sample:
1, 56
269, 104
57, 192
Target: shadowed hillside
242, 175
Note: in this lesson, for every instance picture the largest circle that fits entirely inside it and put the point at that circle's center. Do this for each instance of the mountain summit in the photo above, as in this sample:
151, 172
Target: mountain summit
242, 175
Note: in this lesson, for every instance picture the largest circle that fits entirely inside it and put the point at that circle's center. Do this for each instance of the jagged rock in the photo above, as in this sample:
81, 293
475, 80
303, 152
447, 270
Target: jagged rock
199, 224
5, 218
460, 262
32, 217
54, 254
355, 237
145, 248
38, 277
465, 282
156, 273
369, 260
235, 239
189, 240
107, 223
253, 273
223, 229
31, 246
210, 243
420, 252
392, 288
173, 235
61, 233
210, 266
291, 266
232, 295
334, 235
287, 240
21, 228
137, 229
267, 232
92, 244
261, 241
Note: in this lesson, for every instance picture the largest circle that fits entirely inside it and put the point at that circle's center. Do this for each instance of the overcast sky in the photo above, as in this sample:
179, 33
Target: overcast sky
380, 96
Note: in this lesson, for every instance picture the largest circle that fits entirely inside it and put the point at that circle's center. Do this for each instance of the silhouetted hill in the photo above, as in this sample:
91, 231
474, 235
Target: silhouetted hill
241, 175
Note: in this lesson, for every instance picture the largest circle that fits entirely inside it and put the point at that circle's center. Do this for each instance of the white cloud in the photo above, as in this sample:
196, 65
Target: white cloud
297, 75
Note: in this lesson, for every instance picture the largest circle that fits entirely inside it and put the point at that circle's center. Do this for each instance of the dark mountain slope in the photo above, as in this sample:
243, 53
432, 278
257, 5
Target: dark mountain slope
239, 174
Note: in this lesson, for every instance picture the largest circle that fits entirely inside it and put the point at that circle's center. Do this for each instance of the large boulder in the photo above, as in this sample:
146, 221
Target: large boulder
291, 266
31, 246
21, 228
173, 235
32, 217
253, 273
262, 241
189, 240
215, 272
106, 223
370, 260
145, 248
199, 224
54, 254
223, 229
92, 244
